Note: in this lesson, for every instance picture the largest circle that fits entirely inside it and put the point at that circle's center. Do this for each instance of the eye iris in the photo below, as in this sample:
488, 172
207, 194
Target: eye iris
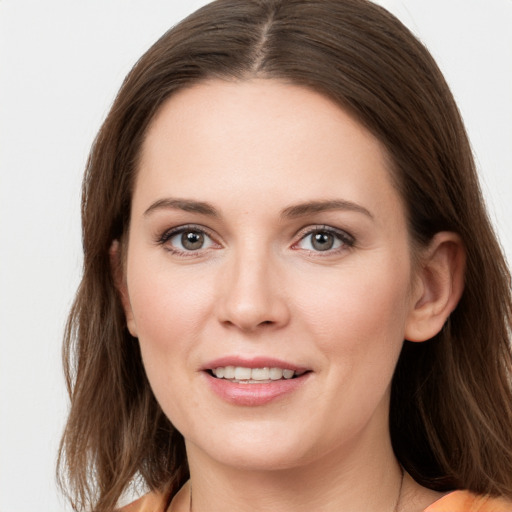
322, 241
192, 240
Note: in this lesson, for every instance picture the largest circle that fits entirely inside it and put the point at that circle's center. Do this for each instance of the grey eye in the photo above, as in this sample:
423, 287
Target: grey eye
322, 241
192, 240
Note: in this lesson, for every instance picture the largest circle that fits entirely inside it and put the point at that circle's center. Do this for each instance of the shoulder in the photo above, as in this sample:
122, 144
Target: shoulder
152, 502
465, 501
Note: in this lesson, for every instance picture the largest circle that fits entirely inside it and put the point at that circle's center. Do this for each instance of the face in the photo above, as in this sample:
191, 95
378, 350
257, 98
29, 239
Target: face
267, 273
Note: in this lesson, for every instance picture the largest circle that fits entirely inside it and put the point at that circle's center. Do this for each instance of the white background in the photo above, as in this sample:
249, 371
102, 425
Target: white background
61, 63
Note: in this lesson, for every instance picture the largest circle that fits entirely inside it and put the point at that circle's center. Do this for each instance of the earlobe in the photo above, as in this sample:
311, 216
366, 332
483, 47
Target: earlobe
440, 283
118, 274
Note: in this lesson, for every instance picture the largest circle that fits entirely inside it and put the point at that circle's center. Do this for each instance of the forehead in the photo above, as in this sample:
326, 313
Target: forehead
248, 112
263, 136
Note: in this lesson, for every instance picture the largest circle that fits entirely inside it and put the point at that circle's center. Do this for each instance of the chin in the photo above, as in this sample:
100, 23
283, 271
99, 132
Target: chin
261, 460
253, 449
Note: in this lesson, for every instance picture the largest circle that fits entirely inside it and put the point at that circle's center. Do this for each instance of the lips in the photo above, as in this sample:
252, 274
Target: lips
253, 382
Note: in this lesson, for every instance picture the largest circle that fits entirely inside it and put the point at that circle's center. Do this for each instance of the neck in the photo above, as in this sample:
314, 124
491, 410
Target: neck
364, 476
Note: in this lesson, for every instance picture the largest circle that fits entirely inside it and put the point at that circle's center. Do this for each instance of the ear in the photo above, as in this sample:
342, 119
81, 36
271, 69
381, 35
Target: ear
118, 273
438, 288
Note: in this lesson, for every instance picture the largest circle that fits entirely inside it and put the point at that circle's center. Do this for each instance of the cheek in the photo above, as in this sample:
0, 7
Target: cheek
165, 302
170, 311
360, 312
357, 321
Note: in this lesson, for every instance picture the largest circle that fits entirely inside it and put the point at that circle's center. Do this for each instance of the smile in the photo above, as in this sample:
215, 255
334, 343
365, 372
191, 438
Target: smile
244, 375
256, 381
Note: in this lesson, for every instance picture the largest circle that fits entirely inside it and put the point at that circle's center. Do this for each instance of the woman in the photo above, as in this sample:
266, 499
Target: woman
282, 193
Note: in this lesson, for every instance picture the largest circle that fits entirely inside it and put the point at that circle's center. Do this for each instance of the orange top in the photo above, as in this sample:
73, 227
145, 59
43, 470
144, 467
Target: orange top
464, 501
457, 501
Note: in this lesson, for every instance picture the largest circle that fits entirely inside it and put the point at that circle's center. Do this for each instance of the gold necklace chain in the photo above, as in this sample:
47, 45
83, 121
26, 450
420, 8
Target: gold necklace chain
398, 500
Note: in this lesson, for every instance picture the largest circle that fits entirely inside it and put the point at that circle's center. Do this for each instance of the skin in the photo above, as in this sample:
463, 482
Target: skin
258, 287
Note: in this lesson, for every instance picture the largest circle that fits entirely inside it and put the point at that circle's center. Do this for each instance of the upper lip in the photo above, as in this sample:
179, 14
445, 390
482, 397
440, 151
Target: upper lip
253, 362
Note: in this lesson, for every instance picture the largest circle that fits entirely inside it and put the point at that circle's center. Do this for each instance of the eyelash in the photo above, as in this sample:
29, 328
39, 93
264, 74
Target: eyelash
190, 228
347, 241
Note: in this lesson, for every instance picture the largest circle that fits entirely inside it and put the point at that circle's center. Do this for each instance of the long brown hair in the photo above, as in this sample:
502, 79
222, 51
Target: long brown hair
451, 404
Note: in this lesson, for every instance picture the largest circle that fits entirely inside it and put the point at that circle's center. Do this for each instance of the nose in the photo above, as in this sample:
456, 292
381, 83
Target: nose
252, 292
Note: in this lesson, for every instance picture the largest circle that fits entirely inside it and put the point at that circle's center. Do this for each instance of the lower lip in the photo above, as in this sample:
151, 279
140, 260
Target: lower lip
254, 394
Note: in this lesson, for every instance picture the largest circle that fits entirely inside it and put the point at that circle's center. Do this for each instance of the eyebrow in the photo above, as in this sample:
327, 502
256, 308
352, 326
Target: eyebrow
298, 210
186, 205
308, 208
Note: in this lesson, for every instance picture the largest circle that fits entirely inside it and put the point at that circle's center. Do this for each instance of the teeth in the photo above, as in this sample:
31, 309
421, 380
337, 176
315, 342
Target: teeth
288, 374
229, 372
276, 373
260, 374
240, 373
